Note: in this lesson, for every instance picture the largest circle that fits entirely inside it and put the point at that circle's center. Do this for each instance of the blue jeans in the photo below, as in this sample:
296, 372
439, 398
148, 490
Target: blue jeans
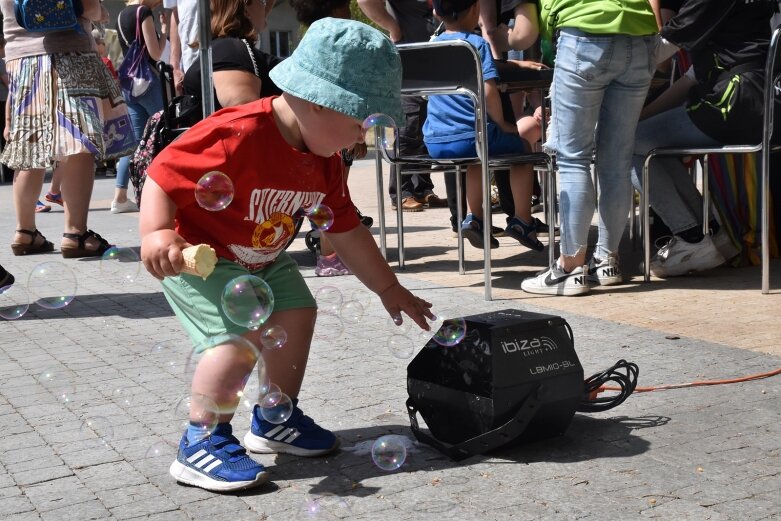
139, 111
599, 81
672, 193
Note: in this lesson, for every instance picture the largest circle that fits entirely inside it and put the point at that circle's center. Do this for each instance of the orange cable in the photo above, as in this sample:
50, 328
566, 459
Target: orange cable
748, 378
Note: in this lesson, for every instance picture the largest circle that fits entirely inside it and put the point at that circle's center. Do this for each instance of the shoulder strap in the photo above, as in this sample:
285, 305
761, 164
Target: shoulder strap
139, 35
119, 26
251, 57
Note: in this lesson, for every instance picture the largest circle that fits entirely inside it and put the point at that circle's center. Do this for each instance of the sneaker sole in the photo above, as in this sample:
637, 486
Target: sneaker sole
188, 476
605, 281
261, 445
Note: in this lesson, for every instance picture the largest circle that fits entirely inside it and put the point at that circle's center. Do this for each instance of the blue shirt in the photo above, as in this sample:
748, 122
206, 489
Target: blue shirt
452, 117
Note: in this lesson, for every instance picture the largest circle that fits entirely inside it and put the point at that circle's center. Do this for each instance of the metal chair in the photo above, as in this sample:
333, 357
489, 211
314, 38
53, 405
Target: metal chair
772, 76
454, 67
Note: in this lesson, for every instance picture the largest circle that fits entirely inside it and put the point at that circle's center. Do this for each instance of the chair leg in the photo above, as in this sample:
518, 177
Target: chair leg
381, 206
460, 217
399, 217
765, 209
645, 209
550, 181
705, 197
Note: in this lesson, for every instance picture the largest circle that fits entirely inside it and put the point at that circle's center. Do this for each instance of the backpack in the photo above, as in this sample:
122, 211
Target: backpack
42, 16
135, 71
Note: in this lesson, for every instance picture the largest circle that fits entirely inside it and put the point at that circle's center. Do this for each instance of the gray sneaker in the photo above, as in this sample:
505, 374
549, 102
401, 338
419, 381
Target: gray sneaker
604, 272
679, 257
555, 281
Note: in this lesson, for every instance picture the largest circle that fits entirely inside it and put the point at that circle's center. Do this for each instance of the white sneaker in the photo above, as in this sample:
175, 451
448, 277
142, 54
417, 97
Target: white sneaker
604, 272
555, 281
127, 206
679, 257
723, 242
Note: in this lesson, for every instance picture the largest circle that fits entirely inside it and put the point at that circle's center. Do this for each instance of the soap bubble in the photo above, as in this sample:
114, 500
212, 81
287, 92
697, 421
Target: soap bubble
120, 264
385, 131
352, 312
52, 284
199, 410
157, 449
328, 327
325, 507
329, 299
321, 216
214, 191
14, 302
99, 426
276, 407
247, 301
401, 346
451, 332
389, 452
273, 337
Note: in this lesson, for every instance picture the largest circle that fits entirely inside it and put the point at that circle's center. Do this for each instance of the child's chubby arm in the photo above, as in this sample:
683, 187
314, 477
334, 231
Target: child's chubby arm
161, 246
359, 252
493, 104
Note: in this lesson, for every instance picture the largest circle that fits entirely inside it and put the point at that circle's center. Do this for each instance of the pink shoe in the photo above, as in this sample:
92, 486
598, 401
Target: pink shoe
331, 266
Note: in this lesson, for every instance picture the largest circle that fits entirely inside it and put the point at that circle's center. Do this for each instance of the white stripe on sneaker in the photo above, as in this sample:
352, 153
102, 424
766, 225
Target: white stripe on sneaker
198, 455
214, 464
273, 431
284, 433
292, 437
204, 461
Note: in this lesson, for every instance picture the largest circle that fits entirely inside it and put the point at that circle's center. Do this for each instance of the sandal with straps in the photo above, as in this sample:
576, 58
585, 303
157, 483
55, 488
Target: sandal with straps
524, 233
30, 248
75, 252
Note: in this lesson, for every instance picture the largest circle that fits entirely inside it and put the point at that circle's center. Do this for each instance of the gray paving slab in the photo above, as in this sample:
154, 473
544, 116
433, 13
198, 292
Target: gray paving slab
700, 453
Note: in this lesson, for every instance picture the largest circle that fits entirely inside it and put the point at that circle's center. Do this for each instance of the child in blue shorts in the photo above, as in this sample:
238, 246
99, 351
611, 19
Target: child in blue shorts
281, 156
449, 132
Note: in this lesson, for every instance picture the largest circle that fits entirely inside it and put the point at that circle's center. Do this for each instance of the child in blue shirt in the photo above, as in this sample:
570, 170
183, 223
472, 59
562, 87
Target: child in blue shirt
449, 132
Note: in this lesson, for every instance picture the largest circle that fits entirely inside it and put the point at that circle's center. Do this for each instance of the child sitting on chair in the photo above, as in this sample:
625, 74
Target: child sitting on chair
281, 156
449, 132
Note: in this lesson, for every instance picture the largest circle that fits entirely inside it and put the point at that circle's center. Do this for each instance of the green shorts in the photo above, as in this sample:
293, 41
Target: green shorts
196, 302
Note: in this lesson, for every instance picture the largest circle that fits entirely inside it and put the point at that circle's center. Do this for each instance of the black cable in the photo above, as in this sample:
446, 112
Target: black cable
623, 373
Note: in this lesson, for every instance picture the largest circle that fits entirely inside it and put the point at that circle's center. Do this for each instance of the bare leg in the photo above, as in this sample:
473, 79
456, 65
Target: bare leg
522, 187
474, 190
77, 176
27, 187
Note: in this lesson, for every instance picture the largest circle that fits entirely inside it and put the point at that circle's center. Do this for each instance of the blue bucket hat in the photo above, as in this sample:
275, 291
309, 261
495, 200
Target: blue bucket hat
345, 66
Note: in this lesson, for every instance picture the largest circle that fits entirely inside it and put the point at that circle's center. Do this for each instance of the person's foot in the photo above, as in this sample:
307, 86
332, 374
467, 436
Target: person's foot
556, 281
472, 230
408, 204
6, 279
604, 272
495, 231
299, 435
432, 200
125, 206
87, 244
331, 266
42, 208
53, 198
524, 233
218, 463
679, 257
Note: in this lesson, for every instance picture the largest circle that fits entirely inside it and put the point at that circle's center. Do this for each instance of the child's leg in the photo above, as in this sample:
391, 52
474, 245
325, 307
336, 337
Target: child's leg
474, 190
529, 129
285, 366
522, 187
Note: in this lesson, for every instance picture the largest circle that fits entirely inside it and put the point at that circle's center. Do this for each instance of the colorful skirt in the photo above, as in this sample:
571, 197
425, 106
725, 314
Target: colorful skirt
61, 105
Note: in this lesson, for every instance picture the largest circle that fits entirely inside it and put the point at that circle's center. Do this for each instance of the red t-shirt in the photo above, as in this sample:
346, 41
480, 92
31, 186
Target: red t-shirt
272, 182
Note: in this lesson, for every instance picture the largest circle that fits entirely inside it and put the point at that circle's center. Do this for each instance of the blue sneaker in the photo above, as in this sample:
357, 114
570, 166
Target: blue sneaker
299, 435
217, 463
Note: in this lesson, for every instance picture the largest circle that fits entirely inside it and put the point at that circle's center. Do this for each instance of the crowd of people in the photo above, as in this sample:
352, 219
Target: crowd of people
305, 114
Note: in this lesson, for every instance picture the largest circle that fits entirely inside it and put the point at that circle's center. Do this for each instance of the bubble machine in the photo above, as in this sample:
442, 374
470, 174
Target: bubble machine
514, 377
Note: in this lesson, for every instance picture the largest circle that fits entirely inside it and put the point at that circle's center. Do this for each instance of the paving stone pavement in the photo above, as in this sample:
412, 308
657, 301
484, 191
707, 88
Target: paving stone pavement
96, 443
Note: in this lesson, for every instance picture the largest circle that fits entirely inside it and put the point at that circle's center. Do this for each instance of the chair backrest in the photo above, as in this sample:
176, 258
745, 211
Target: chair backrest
434, 67
772, 87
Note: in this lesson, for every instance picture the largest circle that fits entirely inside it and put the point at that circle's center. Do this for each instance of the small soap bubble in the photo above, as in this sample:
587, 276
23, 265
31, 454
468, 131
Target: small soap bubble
214, 191
352, 312
389, 452
276, 407
401, 346
14, 302
321, 216
158, 449
247, 301
52, 284
329, 299
325, 507
98, 426
120, 264
328, 327
161, 348
451, 332
273, 337
122, 397
384, 129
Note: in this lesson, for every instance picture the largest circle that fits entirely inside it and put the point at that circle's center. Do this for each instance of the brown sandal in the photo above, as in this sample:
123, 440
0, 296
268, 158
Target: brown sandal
74, 252
30, 248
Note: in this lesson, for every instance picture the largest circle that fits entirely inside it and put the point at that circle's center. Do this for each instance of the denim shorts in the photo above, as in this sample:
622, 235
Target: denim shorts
197, 302
499, 142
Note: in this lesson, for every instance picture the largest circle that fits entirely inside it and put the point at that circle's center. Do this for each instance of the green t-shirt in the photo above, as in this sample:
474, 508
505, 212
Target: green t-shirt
632, 17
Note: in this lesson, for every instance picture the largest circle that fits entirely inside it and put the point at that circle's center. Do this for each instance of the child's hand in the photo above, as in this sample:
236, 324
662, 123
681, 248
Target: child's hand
161, 253
538, 114
528, 64
397, 298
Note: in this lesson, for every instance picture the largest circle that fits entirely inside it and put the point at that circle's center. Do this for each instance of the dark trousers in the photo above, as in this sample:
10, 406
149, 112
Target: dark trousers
411, 143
